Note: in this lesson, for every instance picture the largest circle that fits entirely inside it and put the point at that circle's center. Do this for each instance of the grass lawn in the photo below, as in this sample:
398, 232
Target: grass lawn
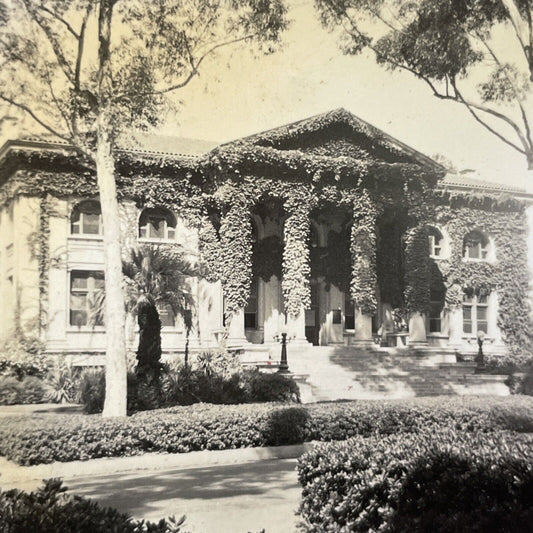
44, 438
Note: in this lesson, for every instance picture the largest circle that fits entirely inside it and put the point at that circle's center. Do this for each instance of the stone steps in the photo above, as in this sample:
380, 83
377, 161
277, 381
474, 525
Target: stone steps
336, 373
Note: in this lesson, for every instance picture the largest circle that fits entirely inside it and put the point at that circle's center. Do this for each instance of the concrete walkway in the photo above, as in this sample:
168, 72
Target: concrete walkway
230, 491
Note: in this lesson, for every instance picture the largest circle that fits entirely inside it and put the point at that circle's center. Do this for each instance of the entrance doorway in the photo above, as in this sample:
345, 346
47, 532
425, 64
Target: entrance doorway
312, 322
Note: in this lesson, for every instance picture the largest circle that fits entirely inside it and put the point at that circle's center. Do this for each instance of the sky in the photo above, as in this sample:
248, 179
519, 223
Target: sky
238, 94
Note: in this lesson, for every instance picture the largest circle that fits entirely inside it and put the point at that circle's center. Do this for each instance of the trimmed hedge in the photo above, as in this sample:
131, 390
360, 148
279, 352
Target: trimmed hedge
441, 481
44, 438
50, 510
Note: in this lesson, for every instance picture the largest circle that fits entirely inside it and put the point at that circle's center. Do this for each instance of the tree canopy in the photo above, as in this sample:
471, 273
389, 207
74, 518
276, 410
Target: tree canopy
477, 53
51, 69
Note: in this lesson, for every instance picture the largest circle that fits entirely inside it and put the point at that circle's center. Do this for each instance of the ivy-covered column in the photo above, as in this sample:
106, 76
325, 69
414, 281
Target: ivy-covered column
236, 267
296, 265
417, 276
363, 286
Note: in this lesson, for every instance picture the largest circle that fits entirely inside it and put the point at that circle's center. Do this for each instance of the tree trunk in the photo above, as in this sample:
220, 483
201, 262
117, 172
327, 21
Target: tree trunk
115, 314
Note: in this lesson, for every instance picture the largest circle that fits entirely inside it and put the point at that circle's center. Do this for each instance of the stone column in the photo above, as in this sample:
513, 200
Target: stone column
363, 329
273, 318
236, 259
236, 336
296, 267
455, 327
417, 279
363, 287
417, 328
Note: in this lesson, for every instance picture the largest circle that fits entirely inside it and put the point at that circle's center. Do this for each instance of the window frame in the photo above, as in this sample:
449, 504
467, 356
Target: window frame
163, 214
483, 249
475, 305
252, 307
80, 223
433, 245
91, 289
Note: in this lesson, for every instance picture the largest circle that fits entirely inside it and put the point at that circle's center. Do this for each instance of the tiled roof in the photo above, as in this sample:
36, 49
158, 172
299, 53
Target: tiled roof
460, 180
147, 144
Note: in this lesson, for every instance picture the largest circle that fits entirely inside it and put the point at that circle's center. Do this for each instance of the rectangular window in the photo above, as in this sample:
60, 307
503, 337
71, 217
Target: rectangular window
475, 313
250, 311
85, 293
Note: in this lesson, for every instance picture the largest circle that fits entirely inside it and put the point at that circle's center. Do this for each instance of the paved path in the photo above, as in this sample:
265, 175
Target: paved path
233, 491
235, 498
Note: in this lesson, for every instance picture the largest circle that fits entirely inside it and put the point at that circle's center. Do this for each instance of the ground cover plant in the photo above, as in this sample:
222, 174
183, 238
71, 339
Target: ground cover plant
443, 481
49, 510
44, 438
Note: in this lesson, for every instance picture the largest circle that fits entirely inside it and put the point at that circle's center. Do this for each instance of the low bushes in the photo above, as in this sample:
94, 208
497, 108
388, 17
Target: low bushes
441, 481
55, 437
50, 510
185, 386
28, 390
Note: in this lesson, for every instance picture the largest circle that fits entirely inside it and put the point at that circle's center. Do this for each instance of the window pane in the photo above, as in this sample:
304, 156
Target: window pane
467, 313
467, 326
78, 301
78, 318
482, 326
482, 313
473, 251
98, 280
91, 223
156, 228
79, 280
171, 233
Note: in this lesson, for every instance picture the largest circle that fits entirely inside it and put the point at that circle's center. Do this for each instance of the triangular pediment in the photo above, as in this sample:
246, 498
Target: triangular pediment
338, 133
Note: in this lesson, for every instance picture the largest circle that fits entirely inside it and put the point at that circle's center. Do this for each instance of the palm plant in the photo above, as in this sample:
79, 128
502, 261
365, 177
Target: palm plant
157, 277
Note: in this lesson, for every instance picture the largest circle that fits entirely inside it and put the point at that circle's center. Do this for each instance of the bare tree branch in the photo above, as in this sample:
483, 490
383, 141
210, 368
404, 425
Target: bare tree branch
52, 39
471, 106
39, 121
42, 7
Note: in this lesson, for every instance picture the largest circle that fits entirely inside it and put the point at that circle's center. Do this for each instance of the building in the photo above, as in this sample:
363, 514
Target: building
327, 228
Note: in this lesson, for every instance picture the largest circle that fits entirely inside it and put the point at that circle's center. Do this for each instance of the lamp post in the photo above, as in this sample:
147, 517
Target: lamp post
283, 365
480, 356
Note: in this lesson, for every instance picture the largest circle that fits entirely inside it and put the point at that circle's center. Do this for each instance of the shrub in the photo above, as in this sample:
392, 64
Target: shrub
49, 509
9, 390
435, 481
28, 390
61, 383
286, 426
54, 437
92, 390
266, 387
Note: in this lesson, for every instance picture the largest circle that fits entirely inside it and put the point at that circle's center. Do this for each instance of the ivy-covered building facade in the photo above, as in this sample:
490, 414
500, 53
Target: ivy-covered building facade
327, 228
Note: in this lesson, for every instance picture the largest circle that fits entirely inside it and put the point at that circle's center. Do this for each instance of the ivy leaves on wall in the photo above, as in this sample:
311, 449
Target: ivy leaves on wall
296, 267
363, 285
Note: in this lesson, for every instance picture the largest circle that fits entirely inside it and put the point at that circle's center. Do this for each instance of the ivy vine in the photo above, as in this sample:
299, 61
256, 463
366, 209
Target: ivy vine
363, 249
296, 266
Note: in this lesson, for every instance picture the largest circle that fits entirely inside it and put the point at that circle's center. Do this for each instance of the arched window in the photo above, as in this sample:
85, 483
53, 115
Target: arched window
436, 243
476, 246
157, 223
86, 218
